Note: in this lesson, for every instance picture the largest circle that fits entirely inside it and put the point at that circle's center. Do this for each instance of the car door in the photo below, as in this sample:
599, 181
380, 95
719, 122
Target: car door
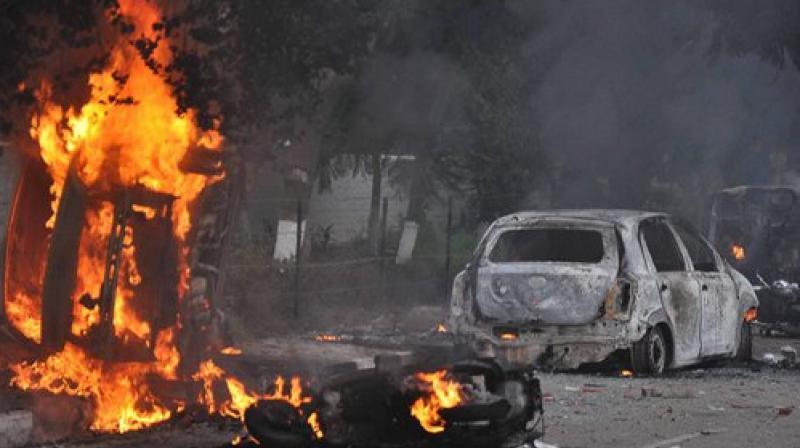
720, 311
680, 292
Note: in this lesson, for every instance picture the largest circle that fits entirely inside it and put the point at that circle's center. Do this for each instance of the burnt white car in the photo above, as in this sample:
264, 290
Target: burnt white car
563, 288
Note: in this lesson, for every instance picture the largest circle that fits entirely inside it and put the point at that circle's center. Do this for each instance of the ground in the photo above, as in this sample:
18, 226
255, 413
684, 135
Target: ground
710, 407
707, 406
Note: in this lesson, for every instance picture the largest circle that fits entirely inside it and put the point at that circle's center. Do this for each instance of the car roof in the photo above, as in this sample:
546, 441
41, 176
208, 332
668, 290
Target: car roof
612, 216
742, 189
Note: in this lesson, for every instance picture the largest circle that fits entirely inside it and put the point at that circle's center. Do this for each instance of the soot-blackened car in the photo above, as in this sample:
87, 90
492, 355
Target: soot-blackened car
568, 287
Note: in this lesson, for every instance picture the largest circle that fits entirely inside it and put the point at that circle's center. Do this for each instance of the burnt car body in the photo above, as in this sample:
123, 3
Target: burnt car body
757, 229
563, 288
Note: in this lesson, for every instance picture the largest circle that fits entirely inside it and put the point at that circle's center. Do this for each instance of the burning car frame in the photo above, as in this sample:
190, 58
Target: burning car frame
757, 229
563, 288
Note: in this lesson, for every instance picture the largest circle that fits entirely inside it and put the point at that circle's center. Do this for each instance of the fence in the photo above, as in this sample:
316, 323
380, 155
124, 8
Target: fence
321, 273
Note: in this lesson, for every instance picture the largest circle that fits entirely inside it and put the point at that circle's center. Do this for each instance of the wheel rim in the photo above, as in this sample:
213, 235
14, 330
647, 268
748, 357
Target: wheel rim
657, 354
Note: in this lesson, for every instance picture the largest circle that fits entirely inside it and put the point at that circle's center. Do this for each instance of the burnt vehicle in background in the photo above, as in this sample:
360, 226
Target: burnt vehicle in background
757, 229
563, 288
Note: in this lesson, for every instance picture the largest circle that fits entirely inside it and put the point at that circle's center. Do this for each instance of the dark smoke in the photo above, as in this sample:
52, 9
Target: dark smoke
637, 111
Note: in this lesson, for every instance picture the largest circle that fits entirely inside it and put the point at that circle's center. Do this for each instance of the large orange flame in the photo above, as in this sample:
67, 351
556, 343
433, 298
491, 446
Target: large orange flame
129, 133
442, 392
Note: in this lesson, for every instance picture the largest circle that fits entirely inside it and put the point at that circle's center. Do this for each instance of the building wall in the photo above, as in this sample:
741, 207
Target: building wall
346, 207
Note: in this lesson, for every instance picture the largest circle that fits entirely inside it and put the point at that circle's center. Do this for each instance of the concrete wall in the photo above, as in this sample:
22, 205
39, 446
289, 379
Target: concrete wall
346, 207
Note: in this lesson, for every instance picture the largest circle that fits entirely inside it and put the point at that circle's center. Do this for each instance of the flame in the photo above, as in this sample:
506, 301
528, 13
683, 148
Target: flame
240, 399
508, 336
313, 422
23, 311
328, 338
626, 373
442, 393
738, 252
119, 392
128, 134
231, 351
441, 328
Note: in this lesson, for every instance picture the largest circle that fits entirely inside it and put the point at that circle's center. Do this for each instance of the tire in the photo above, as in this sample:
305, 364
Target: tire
650, 355
744, 353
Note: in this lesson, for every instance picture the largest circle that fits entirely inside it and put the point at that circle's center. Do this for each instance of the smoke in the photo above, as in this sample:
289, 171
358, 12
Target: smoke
635, 112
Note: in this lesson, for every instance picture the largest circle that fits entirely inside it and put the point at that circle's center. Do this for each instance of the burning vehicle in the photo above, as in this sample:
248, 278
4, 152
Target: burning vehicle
757, 229
419, 401
564, 288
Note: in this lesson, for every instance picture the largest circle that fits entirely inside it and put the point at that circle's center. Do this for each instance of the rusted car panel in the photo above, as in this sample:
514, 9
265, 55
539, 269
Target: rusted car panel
558, 309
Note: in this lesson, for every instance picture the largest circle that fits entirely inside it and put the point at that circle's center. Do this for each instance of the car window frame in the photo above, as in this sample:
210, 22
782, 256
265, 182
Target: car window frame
677, 224
687, 264
497, 231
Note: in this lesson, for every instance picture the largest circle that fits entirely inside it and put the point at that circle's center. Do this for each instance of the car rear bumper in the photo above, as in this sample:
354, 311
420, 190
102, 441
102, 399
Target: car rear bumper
560, 347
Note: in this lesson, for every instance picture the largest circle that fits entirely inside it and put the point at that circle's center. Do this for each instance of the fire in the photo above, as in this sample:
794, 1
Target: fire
231, 351
738, 252
240, 399
626, 373
128, 134
441, 328
122, 401
442, 393
328, 338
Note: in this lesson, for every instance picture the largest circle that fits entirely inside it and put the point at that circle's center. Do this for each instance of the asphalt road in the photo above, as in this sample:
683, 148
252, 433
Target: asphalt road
710, 406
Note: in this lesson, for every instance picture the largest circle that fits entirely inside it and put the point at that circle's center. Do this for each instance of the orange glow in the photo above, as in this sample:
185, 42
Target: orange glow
441, 328
442, 393
625, 373
23, 311
738, 252
313, 422
508, 336
328, 338
231, 351
751, 315
118, 391
128, 134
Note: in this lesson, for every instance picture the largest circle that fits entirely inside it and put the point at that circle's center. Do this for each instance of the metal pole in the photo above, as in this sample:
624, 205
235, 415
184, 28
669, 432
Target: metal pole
447, 247
296, 310
382, 247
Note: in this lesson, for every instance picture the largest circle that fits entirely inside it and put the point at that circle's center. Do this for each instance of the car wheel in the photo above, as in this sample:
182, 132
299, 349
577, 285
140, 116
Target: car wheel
745, 351
649, 355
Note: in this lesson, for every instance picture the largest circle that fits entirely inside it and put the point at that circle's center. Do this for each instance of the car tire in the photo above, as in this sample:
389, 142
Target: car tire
744, 353
649, 356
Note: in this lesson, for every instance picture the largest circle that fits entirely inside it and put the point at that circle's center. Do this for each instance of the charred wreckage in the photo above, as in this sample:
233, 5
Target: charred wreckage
565, 288
444, 396
757, 229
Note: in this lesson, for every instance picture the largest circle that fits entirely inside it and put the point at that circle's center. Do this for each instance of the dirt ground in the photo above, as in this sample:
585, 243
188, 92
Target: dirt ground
709, 406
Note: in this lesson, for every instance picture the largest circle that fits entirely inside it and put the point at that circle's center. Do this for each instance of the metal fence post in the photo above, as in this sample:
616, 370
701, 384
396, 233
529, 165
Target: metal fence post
449, 232
298, 247
382, 247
